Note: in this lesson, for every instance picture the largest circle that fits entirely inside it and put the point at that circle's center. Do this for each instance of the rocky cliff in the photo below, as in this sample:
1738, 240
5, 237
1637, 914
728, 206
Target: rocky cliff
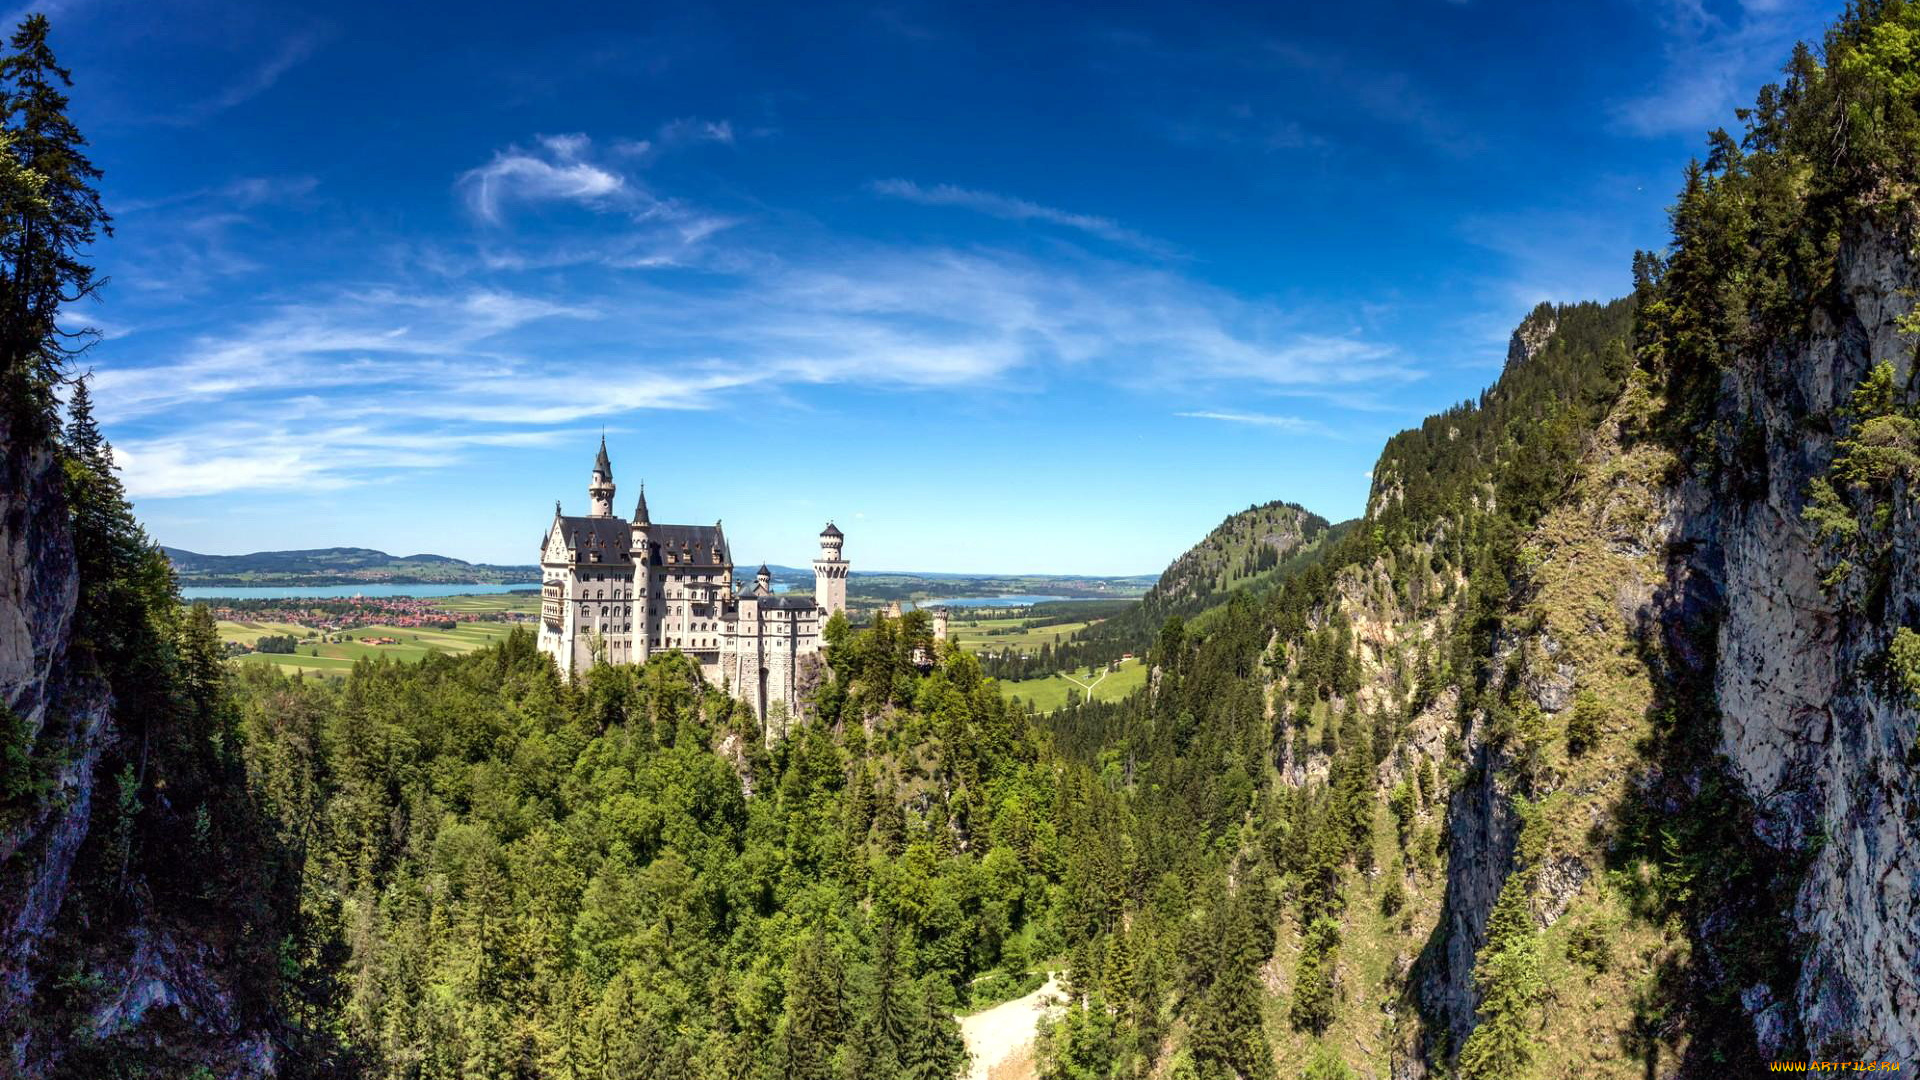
83, 993
57, 719
1824, 749
1680, 752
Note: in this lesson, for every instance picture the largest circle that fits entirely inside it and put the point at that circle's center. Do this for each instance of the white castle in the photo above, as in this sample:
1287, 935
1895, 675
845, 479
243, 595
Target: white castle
616, 591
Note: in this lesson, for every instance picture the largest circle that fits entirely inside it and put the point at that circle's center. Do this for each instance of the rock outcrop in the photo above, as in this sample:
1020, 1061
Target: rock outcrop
153, 993
1824, 750
58, 720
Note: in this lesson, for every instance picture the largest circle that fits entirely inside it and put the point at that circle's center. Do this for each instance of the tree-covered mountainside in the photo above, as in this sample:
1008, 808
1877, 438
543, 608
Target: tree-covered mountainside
1252, 550
1587, 751
1234, 555
338, 566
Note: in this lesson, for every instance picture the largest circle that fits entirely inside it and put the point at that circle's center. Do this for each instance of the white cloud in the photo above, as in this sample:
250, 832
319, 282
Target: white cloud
518, 176
349, 385
341, 389
1713, 64
1293, 424
371, 341
692, 129
261, 78
218, 458
1015, 209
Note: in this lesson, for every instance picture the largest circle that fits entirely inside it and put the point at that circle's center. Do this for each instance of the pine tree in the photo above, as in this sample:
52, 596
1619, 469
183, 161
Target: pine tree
1508, 975
815, 1019
49, 213
1116, 982
935, 1050
892, 1017
1313, 992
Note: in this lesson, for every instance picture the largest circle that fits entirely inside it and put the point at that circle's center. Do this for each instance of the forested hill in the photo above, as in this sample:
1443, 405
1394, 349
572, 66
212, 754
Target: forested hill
1236, 553
338, 566
1253, 549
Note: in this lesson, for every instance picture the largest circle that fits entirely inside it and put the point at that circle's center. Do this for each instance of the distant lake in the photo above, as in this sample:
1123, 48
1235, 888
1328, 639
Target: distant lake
1006, 600
287, 592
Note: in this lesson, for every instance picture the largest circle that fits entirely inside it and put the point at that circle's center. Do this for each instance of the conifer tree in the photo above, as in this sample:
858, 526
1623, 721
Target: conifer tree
814, 1010
1507, 973
49, 213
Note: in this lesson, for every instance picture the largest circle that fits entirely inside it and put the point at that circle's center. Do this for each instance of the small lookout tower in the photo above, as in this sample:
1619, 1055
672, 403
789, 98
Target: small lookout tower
830, 572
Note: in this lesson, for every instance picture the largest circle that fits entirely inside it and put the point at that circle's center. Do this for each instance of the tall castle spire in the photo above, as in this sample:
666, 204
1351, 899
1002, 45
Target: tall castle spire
600, 488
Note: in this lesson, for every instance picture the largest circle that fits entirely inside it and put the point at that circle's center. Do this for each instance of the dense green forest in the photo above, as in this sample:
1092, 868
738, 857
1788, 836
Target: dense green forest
469, 868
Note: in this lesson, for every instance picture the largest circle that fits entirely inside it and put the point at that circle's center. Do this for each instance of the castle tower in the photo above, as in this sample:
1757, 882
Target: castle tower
600, 488
830, 572
645, 602
939, 624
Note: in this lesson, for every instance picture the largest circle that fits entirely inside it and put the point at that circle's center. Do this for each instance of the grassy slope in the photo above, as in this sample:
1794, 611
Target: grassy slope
1050, 693
1582, 579
992, 635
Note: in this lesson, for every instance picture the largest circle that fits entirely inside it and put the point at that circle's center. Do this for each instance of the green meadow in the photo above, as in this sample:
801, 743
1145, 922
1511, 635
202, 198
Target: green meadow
995, 634
318, 656
1050, 693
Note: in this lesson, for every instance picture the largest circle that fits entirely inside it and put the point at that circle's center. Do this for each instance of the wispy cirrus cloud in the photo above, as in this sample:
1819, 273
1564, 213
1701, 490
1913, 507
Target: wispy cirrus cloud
1010, 208
457, 350
250, 456
692, 129
559, 175
567, 169
1712, 62
1293, 424
287, 55
337, 376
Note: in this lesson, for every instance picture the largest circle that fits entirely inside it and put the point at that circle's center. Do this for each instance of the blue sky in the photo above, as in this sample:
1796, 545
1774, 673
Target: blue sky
1026, 288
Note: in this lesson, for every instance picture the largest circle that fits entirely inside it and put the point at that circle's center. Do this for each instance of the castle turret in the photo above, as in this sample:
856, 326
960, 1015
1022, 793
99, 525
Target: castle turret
645, 601
830, 572
600, 488
763, 582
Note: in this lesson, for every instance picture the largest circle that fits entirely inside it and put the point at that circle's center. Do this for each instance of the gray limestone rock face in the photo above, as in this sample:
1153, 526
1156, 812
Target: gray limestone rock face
1820, 748
52, 696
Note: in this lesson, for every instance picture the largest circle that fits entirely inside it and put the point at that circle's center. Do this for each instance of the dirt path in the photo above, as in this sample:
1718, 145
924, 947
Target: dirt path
1004, 1031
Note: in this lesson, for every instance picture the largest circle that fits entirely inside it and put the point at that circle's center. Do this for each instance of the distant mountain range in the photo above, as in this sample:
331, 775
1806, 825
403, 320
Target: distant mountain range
358, 566
340, 566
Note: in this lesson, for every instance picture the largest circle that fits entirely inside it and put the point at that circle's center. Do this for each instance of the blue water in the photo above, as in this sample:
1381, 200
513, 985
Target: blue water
281, 592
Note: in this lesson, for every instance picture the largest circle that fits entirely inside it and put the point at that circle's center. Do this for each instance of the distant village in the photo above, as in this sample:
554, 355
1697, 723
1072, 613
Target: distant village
332, 620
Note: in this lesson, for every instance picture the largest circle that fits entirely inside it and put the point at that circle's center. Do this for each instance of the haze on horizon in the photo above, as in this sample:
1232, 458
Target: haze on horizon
998, 289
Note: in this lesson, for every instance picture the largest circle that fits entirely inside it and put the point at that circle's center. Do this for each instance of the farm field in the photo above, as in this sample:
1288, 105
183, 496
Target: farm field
1049, 694
481, 603
993, 635
315, 656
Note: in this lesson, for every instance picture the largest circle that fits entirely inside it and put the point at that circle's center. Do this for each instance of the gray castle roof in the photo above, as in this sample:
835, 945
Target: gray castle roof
786, 603
600, 464
640, 516
584, 535
832, 530
693, 544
